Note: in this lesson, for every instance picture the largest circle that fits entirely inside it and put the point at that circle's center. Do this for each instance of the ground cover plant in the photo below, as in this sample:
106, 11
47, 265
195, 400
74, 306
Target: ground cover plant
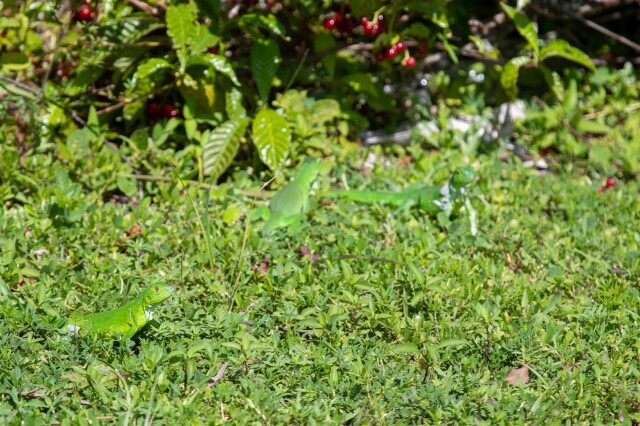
361, 314
227, 153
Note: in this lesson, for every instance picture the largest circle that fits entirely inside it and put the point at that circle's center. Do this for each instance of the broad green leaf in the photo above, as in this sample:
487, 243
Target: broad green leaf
564, 50
131, 28
92, 120
190, 128
324, 111
405, 348
221, 145
14, 61
203, 40
525, 27
78, 142
450, 48
250, 21
272, 137
127, 186
452, 342
554, 81
222, 65
510, 72
570, 101
265, 59
231, 214
180, 24
233, 103
592, 127
150, 67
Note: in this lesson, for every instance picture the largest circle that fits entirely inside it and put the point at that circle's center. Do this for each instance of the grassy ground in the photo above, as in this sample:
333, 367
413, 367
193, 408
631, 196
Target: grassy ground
399, 319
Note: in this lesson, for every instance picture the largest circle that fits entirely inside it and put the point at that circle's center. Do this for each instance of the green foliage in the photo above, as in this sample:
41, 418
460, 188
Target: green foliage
272, 137
556, 48
594, 120
398, 320
221, 145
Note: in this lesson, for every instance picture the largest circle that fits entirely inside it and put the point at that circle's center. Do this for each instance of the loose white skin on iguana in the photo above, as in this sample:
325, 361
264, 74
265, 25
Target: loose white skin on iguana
125, 320
290, 203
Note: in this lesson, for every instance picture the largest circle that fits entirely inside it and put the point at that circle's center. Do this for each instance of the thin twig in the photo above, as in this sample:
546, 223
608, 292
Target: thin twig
151, 10
588, 22
22, 86
215, 379
125, 102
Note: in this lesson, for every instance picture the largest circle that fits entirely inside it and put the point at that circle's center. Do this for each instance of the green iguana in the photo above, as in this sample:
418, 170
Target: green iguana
124, 321
448, 198
290, 203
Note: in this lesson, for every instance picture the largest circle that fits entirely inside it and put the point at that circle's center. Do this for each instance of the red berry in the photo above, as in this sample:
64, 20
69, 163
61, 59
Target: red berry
400, 46
339, 17
381, 56
153, 111
84, 14
375, 29
329, 23
611, 182
410, 62
170, 111
214, 50
380, 19
391, 52
364, 21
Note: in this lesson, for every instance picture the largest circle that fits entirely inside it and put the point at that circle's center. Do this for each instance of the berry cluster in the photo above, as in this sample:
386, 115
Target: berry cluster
392, 51
373, 28
610, 183
85, 13
343, 22
156, 111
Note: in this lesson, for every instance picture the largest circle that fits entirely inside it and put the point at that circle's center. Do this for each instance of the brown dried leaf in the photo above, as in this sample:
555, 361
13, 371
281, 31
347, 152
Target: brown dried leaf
518, 376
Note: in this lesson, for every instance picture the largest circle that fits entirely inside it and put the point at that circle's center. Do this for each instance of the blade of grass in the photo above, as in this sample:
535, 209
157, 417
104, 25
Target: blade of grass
244, 242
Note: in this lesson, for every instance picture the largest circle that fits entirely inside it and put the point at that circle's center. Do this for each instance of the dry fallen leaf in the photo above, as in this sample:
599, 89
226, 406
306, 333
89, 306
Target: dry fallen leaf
518, 376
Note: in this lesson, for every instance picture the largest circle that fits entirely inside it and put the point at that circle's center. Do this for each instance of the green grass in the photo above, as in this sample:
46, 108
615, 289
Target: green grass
552, 282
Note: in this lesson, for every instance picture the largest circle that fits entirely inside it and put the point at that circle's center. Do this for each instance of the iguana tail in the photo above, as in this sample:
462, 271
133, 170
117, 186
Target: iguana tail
370, 197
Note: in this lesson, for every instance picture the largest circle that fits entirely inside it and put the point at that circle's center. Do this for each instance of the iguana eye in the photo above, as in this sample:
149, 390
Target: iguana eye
156, 288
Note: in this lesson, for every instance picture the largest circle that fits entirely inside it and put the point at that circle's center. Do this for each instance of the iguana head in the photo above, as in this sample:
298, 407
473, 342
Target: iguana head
156, 293
462, 176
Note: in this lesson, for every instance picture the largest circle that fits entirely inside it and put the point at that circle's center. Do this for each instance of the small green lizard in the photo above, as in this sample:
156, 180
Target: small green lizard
290, 203
125, 320
448, 198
